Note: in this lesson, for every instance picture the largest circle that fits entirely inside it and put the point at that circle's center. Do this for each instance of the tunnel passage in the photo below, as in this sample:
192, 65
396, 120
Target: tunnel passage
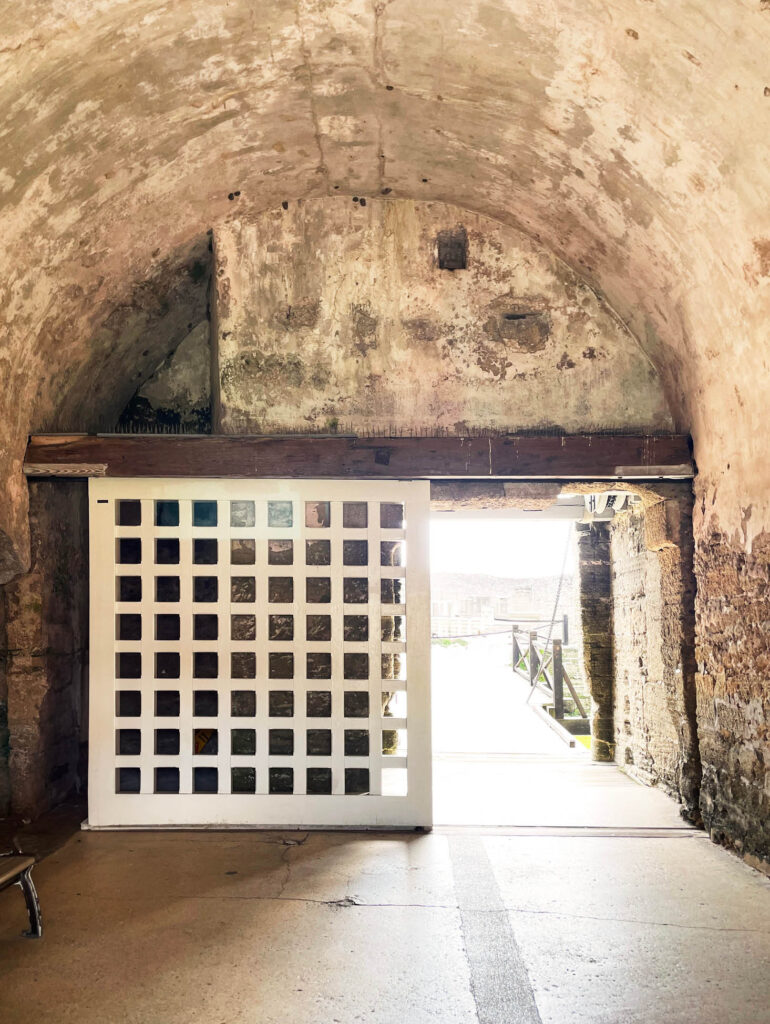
616, 141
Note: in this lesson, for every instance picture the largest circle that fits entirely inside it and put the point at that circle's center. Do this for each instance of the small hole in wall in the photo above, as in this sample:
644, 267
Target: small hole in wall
285, 204
516, 316
452, 246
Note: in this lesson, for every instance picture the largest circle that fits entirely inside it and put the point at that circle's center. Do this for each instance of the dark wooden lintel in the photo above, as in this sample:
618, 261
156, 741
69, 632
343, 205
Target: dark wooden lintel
507, 457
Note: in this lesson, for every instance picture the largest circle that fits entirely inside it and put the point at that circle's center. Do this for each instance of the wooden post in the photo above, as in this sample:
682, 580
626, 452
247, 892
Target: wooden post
558, 681
534, 659
565, 630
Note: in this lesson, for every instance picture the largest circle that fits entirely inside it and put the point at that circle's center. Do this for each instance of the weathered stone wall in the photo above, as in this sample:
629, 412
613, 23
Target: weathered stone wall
733, 691
46, 614
596, 622
178, 395
332, 314
653, 594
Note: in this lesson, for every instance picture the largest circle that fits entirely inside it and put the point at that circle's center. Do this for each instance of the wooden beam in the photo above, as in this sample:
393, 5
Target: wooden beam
574, 457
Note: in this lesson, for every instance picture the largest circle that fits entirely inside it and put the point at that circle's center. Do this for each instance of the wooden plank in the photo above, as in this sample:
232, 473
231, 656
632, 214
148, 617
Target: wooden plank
574, 457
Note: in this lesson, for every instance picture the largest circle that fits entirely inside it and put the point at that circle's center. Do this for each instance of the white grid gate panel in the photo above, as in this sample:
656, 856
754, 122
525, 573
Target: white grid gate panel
259, 653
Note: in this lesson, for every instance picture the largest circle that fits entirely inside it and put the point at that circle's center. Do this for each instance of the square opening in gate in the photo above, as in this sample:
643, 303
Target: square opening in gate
318, 589
129, 703
280, 665
318, 627
243, 551
167, 513
167, 703
391, 516
356, 704
356, 743
129, 665
205, 664
129, 550
129, 513
166, 741
129, 627
356, 781
319, 665
206, 703
355, 590
355, 552
355, 627
281, 780
166, 780
356, 666
281, 703
167, 550
318, 742
243, 741
392, 591
205, 742
355, 515
319, 704
317, 514
392, 552
205, 589
243, 703
243, 627
280, 589
280, 552
243, 665
242, 513
280, 627
243, 780
127, 780
318, 552
129, 741
319, 781
205, 551
129, 588
281, 741
205, 627
205, 780
279, 513
243, 589
167, 588
204, 513
166, 627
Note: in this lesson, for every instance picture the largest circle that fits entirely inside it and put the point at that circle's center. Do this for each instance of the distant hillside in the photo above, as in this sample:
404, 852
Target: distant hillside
454, 585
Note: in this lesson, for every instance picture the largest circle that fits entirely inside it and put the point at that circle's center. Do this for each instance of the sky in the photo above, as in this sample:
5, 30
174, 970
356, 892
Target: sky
500, 547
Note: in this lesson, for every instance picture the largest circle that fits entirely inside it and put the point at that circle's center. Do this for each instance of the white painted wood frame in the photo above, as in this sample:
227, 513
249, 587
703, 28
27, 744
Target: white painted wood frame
118, 718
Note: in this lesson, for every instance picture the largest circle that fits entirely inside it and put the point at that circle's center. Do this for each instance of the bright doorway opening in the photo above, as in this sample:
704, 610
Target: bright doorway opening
506, 633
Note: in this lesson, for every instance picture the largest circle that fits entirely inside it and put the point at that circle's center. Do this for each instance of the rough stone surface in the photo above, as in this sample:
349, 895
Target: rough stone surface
178, 395
46, 613
619, 136
596, 624
733, 694
329, 316
653, 639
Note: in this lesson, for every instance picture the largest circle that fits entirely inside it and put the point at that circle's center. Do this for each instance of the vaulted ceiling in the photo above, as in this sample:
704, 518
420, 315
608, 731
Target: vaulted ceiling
630, 137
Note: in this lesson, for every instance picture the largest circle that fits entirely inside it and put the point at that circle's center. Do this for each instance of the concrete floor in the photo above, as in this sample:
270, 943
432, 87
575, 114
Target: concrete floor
597, 907
497, 763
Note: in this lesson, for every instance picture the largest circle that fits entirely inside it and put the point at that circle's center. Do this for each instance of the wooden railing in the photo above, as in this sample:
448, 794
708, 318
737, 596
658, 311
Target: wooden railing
540, 662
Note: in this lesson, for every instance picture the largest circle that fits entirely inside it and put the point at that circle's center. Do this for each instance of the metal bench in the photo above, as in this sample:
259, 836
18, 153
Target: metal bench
15, 869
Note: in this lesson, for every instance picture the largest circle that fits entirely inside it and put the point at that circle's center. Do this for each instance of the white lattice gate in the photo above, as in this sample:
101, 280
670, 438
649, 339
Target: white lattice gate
259, 653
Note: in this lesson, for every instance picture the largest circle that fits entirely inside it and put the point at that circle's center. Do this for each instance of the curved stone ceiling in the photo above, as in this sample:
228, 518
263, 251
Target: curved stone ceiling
627, 136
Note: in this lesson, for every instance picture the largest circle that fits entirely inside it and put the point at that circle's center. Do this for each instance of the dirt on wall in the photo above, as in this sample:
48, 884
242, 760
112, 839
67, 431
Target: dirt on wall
733, 694
46, 641
332, 315
653, 641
